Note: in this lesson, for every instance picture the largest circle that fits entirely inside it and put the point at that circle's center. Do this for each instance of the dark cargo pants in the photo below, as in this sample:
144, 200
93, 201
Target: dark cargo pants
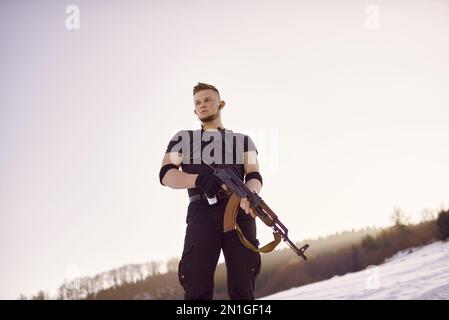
203, 242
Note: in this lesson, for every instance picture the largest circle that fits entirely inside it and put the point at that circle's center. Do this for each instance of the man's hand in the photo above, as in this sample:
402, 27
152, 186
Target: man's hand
244, 204
208, 183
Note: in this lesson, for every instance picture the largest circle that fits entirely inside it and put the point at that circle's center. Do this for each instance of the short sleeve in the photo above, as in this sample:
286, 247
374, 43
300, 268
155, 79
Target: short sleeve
249, 145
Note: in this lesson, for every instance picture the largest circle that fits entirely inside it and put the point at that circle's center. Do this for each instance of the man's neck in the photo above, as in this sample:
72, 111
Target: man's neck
215, 124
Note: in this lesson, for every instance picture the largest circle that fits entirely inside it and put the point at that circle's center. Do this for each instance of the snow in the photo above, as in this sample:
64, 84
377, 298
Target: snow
420, 273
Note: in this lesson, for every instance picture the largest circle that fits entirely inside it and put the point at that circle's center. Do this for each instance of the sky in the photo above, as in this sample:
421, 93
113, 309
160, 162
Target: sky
347, 103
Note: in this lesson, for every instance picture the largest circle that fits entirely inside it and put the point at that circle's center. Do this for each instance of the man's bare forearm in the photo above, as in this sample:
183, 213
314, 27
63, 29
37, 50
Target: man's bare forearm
177, 179
254, 185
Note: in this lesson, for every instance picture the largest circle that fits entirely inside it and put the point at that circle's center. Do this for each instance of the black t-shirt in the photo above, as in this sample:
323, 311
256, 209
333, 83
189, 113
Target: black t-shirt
222, 147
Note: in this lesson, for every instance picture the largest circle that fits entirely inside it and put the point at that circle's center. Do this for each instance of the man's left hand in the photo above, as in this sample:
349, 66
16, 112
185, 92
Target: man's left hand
245, 205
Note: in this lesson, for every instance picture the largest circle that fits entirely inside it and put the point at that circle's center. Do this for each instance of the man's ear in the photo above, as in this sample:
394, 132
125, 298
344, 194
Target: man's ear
194, 111
222, 104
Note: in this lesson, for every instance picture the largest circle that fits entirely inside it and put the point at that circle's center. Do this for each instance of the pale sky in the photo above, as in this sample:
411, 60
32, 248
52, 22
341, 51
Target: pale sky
349, 111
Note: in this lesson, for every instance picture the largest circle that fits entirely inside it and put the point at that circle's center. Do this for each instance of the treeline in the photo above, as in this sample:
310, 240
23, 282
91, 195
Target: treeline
106, 282
329, 256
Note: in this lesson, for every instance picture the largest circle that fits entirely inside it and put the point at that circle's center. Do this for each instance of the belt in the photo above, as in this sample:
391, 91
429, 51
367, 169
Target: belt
200, 196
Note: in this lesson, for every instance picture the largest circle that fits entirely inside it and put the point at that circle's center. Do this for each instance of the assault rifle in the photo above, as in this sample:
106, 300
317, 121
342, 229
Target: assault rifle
261, 209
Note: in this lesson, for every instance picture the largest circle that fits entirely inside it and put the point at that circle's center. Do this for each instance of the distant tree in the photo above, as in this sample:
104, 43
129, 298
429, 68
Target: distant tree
399, 218
427, 215
40, 295
356, 265
443, 225
115, 277
123, 274
22, 297
154, 268
172, 264
369, 243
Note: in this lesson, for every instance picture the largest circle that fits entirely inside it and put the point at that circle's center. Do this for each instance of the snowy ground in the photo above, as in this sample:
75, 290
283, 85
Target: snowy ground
421, 274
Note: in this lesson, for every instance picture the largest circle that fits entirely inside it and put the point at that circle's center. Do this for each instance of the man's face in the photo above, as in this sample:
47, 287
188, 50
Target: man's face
207, 104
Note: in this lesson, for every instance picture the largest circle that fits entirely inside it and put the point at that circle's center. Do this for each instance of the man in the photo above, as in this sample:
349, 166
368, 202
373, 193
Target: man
193, 151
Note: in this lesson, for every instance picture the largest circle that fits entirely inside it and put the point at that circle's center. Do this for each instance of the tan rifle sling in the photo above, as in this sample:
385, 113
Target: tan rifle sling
230, 223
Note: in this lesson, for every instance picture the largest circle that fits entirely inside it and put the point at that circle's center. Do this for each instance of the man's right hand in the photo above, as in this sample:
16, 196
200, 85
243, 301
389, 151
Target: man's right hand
209, 183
